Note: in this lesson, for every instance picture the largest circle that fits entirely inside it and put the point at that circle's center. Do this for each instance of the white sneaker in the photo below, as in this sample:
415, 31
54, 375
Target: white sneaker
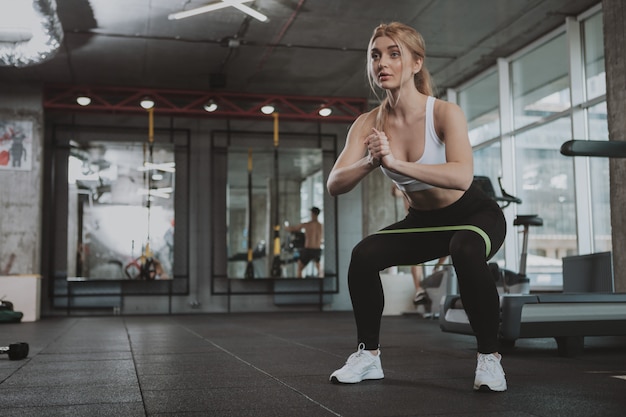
489, 374
360, 365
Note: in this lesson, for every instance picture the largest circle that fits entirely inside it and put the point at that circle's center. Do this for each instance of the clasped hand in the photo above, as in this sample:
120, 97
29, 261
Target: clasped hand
378, 148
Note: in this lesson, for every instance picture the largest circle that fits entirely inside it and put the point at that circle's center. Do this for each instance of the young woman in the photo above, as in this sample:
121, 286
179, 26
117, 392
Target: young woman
422, 145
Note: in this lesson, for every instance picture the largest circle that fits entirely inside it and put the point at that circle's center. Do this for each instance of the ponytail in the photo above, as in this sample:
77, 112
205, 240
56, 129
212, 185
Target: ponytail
423, 82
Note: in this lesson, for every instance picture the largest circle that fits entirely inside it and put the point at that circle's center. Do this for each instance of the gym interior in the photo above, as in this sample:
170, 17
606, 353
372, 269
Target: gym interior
145, 264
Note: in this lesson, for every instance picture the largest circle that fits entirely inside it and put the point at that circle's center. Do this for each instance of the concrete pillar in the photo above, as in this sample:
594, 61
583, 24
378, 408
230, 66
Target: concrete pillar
21, 195
380, 207
614, 20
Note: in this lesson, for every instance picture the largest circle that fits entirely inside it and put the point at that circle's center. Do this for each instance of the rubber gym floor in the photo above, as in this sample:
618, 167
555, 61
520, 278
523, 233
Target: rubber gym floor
278, 364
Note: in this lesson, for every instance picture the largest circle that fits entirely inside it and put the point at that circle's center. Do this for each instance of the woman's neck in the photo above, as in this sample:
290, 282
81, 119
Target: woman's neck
405, 103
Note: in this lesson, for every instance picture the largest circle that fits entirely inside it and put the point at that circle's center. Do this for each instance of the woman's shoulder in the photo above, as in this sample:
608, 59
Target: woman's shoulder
446, 106
365, 121
445, 110
368, 117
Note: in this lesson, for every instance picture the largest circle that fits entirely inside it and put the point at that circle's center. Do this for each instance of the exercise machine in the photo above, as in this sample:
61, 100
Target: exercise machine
507, 281
569, 316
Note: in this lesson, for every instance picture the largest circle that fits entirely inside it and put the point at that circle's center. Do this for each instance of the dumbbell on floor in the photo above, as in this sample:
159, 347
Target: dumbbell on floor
16, 351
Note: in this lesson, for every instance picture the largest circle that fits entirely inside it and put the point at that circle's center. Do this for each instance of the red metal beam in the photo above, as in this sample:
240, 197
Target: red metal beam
191, 103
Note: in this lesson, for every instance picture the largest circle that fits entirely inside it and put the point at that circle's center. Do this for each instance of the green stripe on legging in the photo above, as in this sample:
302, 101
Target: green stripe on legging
470, 227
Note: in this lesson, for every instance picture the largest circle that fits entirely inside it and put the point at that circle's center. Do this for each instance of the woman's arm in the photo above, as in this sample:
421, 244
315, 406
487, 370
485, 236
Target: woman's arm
353, 163
458, 170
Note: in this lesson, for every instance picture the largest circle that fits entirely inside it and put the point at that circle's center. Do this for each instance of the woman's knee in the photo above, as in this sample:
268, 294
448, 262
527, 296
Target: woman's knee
366, 254
467, 247
365, 249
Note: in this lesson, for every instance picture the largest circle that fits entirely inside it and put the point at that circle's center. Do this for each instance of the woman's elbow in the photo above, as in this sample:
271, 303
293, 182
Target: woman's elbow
466, 185
466, 182
332, 188
335, 188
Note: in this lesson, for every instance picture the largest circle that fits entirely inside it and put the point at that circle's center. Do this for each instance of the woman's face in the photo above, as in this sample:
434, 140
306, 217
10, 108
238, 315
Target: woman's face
387, 64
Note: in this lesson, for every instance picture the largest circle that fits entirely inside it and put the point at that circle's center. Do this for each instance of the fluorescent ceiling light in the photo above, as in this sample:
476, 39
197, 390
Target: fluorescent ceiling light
238, 4
165, 166
156, 192
247, 10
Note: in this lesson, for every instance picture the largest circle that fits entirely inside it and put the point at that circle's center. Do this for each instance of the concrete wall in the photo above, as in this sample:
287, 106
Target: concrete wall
20, 190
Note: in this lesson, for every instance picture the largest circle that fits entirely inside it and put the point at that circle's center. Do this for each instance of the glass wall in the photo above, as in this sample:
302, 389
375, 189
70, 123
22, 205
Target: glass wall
540, 82
545, 184
599, 175
594, 56
480, 102
595, 83
519, 115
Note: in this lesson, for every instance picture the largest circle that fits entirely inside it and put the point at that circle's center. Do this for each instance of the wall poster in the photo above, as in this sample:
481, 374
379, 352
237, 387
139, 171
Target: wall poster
16, 145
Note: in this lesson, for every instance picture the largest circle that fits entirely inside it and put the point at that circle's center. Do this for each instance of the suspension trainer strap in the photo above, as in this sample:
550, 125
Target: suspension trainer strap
469, 227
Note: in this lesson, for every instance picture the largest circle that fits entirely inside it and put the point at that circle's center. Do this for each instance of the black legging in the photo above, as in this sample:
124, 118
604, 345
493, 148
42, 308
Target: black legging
471, 231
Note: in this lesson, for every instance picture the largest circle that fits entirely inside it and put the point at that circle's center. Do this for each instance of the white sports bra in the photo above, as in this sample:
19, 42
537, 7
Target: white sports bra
434, 153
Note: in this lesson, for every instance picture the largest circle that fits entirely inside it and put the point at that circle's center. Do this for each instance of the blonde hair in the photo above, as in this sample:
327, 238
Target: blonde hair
407, 39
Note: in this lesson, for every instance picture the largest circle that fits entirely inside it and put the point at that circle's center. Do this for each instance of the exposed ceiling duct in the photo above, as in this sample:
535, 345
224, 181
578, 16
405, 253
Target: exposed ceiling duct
30, 32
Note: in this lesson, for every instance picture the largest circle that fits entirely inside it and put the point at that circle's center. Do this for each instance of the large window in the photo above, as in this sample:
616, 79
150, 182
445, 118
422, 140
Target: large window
594, 56
545, 184
519, 139
481, 106
599, 174
595, 83
540, 82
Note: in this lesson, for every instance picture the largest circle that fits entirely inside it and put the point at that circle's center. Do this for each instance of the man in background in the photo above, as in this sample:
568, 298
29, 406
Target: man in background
313, 236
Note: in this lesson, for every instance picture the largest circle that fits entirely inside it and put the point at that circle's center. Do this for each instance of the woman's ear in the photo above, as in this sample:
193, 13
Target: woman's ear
417, 65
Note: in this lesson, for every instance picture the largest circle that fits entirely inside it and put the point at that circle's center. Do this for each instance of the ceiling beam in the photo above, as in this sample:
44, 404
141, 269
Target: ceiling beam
191, 103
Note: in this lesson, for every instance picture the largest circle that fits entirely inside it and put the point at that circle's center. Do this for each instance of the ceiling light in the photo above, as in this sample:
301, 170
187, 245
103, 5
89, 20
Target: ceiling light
198, 10
147, 103
238, 4
83, 100
210, 106
247, 10
325, 111
268, 109
163, 192
163, 166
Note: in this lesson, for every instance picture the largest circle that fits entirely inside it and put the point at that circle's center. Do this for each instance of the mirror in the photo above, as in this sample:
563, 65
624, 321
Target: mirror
121, 210
268, 190
259, 201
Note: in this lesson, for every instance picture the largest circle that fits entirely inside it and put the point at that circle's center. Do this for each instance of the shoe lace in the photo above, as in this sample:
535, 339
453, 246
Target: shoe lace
487, 363
356, 355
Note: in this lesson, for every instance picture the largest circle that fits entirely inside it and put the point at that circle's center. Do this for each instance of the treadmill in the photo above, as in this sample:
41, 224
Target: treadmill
588, 305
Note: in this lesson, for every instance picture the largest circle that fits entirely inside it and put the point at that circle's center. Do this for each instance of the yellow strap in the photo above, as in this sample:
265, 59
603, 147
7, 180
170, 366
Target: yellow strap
470, 227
